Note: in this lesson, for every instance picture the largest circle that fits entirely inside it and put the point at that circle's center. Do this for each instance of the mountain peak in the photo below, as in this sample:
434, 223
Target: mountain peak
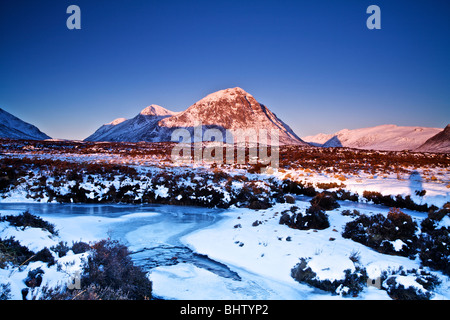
116, 121
230, 94
155, 110
232, 109
233, 91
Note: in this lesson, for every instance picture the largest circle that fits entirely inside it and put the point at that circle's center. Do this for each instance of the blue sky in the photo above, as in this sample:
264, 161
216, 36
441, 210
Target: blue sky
313, 63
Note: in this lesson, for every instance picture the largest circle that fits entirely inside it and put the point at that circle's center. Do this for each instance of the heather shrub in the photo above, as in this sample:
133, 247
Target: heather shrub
352, 284
258, 204
110, 266
108, 274
289, 199
325, 201
342, 194
401, 225
61, 249
92, 292
11, 251
27, 219
329, 185
354, 213
80, 247
435, 246
396, 201
438, 215
5, 291
379, 232
420, 284
44, 255
313, 218
294, 187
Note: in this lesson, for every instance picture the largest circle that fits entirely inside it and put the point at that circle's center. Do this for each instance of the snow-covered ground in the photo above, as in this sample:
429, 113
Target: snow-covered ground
262, 254
435, 181
250, 243
270, 250
87, 228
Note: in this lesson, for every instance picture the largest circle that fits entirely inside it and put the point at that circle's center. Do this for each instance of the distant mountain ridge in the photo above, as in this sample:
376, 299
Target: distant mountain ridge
388, 137
12, 127
231, 109
143, 127
437, 143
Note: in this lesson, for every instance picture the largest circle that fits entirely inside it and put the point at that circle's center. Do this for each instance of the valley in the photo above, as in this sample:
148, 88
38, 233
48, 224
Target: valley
265, 229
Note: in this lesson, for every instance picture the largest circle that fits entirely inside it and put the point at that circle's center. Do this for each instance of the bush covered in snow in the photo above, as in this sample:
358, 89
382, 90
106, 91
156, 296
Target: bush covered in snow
80, 247
108, 271
325, 201
5, 291
398, 234
352, 284
409, 284
400, 284
12, 252
396, 201
66, 182
313, 218
110, 266
298, 188
27, 219
108, 274
435, 241
394, 234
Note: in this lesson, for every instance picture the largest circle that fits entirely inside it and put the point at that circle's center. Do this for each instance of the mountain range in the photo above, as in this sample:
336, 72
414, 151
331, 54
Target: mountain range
388, 137
229, 109
12, 127
143, 127
235, 109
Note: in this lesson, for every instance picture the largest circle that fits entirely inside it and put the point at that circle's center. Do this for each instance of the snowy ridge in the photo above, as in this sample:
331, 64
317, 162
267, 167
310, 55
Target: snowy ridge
143, 127
155, 110
388, 137
12, 127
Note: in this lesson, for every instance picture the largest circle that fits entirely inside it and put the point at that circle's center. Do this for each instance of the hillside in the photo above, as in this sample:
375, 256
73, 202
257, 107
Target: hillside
385, 137
12, 127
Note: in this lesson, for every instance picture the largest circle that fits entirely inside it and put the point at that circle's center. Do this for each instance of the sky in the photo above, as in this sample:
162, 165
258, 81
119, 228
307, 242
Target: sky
315, 64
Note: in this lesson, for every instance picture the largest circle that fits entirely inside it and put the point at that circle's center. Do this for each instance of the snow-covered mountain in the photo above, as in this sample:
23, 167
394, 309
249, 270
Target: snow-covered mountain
437, 143
12, 127
143, 127
385, 137
232, 109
